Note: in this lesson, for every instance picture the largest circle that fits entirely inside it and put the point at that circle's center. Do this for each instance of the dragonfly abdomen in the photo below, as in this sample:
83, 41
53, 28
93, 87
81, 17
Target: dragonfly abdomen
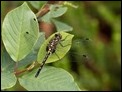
43, 63
51, 47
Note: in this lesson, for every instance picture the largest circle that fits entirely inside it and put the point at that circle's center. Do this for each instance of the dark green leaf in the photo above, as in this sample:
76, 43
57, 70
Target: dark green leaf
8, 78
55, 11
62, 26
39, 42
37, 4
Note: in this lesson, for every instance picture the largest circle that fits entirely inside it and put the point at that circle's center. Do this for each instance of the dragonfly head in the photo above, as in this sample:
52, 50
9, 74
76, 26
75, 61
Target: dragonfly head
58, 35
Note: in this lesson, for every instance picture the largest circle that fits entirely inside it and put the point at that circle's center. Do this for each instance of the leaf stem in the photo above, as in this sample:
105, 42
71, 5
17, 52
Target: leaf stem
24, 70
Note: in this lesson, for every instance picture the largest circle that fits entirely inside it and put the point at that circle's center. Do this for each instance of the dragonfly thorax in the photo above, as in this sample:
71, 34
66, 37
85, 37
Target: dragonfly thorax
51, 47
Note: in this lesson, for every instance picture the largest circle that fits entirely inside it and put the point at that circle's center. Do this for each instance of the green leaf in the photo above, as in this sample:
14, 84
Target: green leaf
55, 11
8, 78
20, 32
39, 42
60, 51
7, 64
27, 60
32, 56
37, 4
62, 26
50, 79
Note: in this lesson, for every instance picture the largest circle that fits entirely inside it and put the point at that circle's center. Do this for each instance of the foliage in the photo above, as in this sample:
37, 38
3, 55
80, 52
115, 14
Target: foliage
98, 21
20, 34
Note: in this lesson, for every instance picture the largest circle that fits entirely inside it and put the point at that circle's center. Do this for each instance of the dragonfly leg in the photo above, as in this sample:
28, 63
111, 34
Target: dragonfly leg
63, 45
64, 38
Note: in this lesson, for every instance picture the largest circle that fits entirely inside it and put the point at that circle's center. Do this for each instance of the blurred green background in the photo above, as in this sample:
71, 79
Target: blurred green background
100, 22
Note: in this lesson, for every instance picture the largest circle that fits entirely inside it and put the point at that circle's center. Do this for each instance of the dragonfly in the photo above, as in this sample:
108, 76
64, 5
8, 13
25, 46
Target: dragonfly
51, 48
57, 42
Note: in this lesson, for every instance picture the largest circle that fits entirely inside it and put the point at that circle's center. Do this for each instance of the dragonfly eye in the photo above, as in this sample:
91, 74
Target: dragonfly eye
56, 35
